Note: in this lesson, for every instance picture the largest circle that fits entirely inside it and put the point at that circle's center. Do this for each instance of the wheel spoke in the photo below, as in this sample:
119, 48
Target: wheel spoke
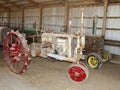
17, 41
77, 73
15, 52
10, 40
16, 66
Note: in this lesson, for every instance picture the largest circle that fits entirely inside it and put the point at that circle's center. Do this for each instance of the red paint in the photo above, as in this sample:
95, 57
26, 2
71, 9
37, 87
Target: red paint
15, 52
77, 74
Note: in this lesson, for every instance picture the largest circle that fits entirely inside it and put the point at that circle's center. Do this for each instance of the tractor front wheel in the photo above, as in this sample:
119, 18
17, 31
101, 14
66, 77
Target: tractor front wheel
78, 72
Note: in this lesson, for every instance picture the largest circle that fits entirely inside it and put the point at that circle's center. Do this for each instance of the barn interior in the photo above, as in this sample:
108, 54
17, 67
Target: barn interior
59, 44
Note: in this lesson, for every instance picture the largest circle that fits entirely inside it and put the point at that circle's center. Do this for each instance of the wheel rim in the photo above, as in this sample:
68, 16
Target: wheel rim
93, 62
105, 57
78, 73
83, 65
16, 52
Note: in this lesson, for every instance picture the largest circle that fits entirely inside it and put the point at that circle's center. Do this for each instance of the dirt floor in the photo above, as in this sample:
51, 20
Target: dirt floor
44, 74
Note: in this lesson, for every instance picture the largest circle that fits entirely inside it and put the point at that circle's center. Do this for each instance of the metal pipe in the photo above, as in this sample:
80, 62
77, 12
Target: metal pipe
61, 58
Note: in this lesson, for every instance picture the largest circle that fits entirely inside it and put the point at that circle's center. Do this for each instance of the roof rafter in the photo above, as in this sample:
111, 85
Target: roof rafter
4, 7
99, 1
13, 3
33, 2
78, 3
61, 1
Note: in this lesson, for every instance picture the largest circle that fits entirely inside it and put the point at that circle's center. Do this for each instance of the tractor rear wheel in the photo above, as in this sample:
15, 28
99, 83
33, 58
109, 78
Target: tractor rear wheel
106, 56
94, 61
16, 52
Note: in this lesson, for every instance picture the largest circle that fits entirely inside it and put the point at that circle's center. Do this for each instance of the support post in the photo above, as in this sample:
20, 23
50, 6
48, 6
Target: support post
23, 18
67, 16
2, 16
9, 18
104, 17
40, 17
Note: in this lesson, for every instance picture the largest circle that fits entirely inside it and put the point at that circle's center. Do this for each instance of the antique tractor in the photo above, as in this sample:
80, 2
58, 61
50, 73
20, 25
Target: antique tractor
95, 53
61, 46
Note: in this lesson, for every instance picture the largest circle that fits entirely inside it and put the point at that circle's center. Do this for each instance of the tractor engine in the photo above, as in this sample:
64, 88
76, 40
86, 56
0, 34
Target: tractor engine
53, 44
61, 46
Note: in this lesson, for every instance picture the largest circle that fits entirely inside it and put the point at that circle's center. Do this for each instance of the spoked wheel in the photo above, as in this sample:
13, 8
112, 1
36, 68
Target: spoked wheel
106, 56
16, 52
94, 61
78, 72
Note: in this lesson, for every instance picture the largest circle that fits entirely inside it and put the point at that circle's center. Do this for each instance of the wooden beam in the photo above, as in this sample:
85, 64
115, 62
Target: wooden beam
83, 3
112, 42
52, 5
41, 14
104, 17
13, 3
23, 18
4, 7
9, 19
61, 1
18, 1
66, 16
49, 2
33, 3
99, 0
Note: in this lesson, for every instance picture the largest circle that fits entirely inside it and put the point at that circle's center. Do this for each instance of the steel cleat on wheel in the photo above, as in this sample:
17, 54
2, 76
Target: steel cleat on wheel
16, 52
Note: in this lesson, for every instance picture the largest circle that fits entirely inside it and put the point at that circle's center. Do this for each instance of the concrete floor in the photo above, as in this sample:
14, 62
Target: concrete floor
48, 75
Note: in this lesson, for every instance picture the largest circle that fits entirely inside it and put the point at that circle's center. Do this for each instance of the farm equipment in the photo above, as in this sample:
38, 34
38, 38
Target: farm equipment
61, 46
95, 53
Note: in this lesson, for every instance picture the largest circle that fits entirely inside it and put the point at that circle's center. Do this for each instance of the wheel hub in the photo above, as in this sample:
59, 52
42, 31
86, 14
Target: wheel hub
92, 61
78, 73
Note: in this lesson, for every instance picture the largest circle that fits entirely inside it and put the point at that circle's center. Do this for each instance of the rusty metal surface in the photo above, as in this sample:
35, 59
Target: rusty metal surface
60, 45
94, 43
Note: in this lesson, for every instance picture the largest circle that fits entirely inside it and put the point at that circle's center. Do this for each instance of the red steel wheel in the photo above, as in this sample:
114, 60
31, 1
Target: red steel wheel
78, 72
16, 52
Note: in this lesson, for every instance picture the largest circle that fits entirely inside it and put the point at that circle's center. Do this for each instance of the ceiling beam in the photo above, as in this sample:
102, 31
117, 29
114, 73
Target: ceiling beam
12, 3
114, 1
4, 7
33, 2
61, 1
84, 3
18, 1
99, 0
